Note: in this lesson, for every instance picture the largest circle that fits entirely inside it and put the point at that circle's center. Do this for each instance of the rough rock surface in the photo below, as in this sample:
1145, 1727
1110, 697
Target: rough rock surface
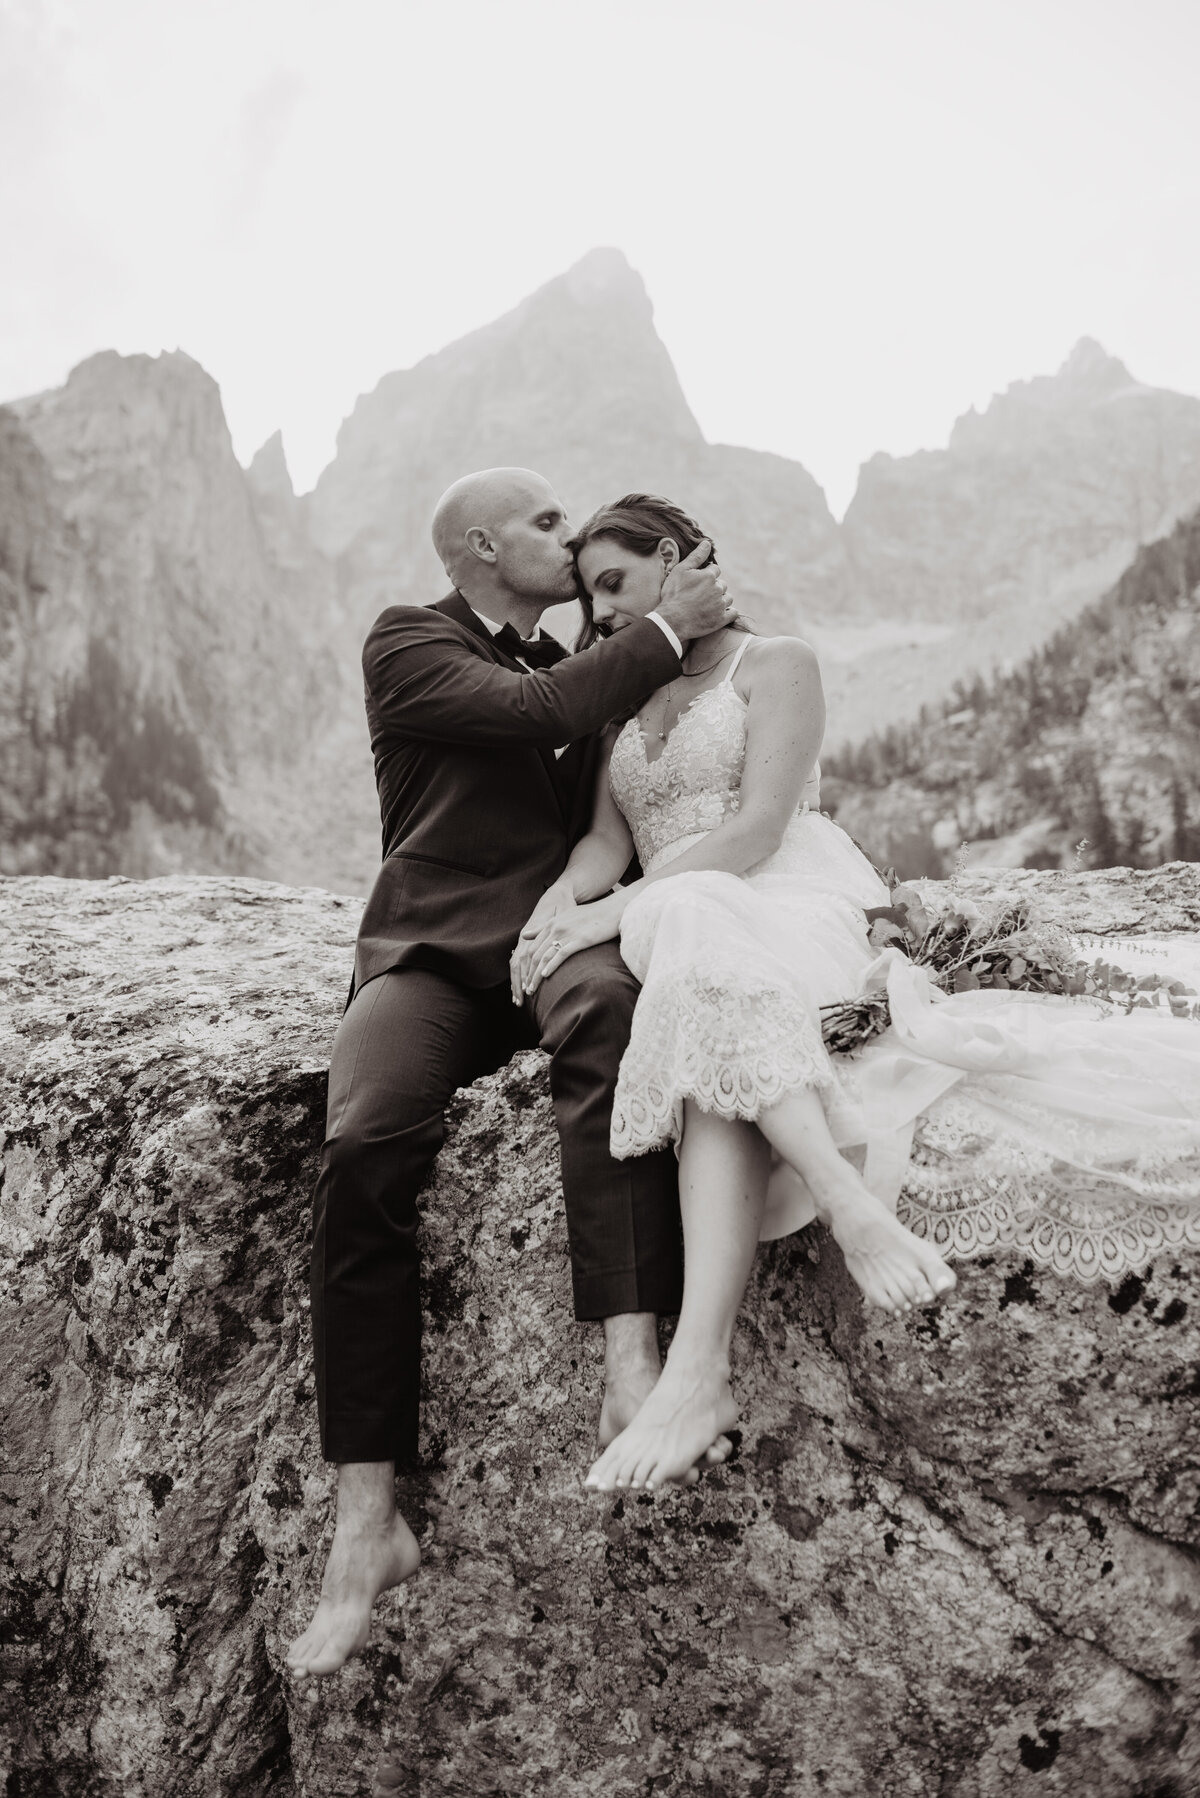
954, 1554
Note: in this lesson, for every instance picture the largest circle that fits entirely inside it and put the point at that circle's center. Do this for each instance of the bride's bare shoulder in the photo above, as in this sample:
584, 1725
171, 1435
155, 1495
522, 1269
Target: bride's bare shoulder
788, 659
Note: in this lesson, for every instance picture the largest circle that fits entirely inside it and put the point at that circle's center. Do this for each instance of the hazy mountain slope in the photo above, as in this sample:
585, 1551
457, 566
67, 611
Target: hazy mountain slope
1095, 740
1058, 473
577, 384
179, 637
164, 656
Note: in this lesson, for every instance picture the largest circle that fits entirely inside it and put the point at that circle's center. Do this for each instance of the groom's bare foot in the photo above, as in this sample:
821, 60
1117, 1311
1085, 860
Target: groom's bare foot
372, 1550
623, 1399
682, 1422
891, 1267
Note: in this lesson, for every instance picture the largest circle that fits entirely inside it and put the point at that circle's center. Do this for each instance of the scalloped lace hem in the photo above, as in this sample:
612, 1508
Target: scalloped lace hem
976, 1186
734, 1053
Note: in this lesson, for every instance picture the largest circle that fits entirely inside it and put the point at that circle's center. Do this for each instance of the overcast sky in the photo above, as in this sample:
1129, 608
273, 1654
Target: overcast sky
855, 217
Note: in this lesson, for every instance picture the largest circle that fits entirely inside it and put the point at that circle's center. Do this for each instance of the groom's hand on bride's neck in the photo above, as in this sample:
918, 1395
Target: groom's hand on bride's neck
693, 600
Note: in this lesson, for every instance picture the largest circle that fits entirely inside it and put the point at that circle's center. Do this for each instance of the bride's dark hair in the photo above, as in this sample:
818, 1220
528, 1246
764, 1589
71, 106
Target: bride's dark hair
639, 522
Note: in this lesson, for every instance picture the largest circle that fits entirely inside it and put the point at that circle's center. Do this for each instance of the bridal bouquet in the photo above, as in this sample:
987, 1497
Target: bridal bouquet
1003, 945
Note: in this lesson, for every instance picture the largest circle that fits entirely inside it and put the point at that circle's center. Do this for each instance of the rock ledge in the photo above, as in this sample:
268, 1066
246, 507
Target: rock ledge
956, 1554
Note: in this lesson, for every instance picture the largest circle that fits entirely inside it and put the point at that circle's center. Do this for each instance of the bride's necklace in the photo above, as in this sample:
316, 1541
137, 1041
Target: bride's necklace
662, 733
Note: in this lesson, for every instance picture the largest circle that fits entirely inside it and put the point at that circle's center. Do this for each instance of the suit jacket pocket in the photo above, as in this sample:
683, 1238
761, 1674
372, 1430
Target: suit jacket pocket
439, 861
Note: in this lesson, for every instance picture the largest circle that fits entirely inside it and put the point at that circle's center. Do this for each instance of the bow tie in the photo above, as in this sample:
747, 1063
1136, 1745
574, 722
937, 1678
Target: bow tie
536, 652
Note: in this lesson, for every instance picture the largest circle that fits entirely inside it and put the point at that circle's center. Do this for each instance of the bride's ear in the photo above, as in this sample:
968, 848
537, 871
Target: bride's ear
668, 549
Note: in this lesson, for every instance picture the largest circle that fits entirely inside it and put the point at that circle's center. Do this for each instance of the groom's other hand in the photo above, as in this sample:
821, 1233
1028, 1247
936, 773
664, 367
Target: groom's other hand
694, 599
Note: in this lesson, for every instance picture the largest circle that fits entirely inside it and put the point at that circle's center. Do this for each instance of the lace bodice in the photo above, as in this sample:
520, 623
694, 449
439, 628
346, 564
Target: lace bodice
696, 781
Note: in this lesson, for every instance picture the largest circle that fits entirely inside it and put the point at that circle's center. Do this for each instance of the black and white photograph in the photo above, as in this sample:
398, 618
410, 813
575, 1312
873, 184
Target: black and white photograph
599, 899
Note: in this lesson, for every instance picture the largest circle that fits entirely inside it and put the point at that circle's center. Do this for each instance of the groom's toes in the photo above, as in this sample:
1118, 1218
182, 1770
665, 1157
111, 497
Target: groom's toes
718, 1452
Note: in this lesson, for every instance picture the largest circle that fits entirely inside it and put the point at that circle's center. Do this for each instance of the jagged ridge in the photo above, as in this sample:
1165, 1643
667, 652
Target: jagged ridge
182, 663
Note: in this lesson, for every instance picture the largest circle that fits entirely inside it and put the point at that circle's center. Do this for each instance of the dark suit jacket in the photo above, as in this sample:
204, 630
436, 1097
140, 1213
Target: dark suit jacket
478, 816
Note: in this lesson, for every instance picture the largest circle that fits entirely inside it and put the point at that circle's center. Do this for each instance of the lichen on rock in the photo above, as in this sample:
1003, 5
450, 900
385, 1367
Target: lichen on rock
954, 1553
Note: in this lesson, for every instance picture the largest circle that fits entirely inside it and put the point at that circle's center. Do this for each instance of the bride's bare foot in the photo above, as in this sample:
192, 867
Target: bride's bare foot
365, 1559
891, 1267
682, 1422
632, 1369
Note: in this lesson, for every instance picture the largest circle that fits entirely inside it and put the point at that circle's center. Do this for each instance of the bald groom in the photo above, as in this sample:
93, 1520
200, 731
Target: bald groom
484, 737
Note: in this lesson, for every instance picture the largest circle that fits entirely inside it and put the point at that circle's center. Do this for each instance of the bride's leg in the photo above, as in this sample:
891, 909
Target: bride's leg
723, 1168
894, 1268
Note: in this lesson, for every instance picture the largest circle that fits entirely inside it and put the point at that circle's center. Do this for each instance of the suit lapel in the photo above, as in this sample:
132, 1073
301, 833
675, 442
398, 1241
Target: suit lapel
455, 606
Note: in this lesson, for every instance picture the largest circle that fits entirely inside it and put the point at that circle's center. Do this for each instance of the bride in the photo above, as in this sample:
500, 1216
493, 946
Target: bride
748, 918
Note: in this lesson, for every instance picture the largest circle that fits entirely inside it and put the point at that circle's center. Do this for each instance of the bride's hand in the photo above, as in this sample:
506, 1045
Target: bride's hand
553, 902
566, 934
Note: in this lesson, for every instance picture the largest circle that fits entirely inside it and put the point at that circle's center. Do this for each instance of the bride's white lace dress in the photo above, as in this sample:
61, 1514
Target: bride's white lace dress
987, 1118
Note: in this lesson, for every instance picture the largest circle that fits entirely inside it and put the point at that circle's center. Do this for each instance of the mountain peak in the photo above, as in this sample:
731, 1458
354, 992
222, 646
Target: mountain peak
268, 470
1090, 365
603, 284
169, 369
603, 272
1089, 377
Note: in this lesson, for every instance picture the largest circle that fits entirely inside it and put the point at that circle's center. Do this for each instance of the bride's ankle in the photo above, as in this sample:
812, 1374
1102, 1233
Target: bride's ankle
699, 1360
840, 1186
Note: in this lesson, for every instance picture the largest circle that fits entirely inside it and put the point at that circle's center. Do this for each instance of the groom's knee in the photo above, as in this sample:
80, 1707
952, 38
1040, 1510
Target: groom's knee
377, 1158
590, 998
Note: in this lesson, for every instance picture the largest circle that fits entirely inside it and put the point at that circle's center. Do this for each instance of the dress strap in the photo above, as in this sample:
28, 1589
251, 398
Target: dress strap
733, 666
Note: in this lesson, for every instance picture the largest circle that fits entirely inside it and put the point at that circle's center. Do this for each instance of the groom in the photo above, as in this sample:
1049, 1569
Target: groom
480, 729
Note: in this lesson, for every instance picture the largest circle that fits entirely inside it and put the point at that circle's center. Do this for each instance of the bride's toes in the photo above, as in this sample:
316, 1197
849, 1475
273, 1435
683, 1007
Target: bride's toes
914, 1291
602, 1474
645, 1467
936, 1278
898, 1300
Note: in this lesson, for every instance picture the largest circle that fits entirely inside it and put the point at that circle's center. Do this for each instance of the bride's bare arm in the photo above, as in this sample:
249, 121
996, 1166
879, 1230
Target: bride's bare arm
600, 858
784, 726
593, 868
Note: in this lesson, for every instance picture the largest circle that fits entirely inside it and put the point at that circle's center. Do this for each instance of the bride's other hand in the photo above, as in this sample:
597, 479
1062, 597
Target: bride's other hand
567, 933
553, 902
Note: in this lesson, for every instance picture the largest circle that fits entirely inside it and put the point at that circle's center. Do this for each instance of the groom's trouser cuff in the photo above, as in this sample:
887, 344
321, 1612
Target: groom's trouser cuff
613, 1292
622, 1216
